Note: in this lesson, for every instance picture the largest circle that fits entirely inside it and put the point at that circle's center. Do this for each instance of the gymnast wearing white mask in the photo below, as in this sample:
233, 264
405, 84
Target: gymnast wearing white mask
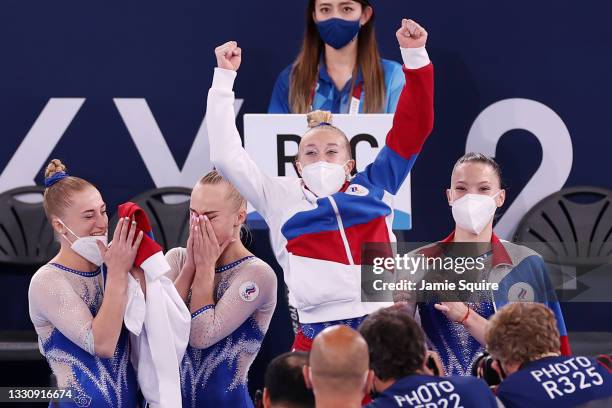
508, 272
77, 308
319, 222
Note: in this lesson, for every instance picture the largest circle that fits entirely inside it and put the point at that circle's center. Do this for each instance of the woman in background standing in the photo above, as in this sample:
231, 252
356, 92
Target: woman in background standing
339, 68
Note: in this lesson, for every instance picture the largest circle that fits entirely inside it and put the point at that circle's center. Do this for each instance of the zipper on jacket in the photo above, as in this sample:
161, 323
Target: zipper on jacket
347, 248
492, 294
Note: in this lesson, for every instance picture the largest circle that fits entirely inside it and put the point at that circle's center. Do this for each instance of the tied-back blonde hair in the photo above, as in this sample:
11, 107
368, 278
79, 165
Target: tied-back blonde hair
58, 197
324, 120
215, 178
305, 70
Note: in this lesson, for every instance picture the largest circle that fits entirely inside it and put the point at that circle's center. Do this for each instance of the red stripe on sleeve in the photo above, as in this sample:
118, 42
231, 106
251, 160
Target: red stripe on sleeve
565, 346
414, 116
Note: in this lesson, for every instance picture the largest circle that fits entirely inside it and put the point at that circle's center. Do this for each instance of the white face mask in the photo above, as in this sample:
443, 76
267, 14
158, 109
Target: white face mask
87, 247
323, 178
473, 212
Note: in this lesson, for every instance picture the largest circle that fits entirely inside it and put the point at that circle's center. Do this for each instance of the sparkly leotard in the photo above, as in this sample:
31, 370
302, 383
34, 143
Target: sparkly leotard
63, 304
457, 348
226, 337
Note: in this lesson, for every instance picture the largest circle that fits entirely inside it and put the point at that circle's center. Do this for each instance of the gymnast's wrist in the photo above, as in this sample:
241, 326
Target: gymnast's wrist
466, 317
117, 281
202, 288
204, 275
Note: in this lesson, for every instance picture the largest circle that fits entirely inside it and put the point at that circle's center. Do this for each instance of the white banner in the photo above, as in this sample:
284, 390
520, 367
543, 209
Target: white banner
272, 141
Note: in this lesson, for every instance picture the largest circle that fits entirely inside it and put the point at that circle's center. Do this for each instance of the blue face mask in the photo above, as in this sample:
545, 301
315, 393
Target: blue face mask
337, 32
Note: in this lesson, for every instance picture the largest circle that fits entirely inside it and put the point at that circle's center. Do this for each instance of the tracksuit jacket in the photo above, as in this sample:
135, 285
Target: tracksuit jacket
522, 276
317, 240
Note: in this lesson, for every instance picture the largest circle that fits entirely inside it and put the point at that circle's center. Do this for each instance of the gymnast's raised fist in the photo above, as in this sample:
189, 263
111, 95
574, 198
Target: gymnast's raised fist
411, 35
229, 55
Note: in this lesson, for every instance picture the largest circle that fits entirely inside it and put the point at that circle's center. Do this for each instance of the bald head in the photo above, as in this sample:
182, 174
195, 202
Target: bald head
339, 360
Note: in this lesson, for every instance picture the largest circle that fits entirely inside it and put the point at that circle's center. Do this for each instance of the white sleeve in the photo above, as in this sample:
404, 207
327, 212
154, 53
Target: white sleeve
175, 258
226, 151
415, 58
135, 308
213, 323
162, 343
52, 300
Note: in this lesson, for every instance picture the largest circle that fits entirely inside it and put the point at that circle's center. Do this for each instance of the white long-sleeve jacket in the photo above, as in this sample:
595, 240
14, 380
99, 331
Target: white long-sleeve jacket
159, 333
317, 240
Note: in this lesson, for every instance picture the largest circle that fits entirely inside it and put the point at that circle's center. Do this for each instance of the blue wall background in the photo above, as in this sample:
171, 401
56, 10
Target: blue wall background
557, 53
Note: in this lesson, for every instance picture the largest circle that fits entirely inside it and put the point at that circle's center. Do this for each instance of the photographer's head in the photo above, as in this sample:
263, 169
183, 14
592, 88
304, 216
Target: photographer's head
284, 382
393, 356
519, 333
338, 367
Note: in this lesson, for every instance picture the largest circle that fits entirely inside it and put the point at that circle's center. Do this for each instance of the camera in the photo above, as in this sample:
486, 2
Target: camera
483, 368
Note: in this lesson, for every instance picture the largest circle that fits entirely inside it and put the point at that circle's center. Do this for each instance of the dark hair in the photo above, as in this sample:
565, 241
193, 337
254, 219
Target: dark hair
395, 341
306, 66
284, 380
473, 157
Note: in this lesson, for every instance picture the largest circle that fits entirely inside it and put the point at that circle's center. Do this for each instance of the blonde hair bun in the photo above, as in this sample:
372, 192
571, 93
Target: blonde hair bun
55, 166
319, 117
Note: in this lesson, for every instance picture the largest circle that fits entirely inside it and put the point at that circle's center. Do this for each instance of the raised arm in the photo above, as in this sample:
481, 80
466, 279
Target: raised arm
413, 119
226, 151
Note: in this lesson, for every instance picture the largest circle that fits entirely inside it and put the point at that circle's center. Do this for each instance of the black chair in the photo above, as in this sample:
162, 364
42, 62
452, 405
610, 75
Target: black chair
26, 238
572, 230
168, 212
26, 243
